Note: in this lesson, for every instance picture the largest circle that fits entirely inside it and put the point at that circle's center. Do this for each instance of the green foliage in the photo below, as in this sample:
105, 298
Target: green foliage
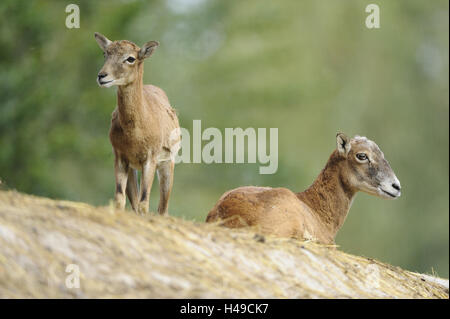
309, 68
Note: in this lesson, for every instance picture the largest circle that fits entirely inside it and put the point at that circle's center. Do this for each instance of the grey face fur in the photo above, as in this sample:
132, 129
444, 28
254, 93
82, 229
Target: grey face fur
368, 170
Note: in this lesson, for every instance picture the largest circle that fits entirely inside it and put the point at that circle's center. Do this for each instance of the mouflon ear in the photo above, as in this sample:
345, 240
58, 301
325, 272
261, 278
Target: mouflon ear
147, 49
102, 41
343, 144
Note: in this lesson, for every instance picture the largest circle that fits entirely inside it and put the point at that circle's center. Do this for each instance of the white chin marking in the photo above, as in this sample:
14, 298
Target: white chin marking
390, 194
106, 84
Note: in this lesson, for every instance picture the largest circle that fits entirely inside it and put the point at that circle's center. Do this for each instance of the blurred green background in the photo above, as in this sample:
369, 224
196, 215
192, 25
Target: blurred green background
309, 68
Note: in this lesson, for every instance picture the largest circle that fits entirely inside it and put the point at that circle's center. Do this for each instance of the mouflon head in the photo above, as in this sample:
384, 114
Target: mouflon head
366, 167
122, 60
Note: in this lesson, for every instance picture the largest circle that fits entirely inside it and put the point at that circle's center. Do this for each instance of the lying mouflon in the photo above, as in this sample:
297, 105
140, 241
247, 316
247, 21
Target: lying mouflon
319, 212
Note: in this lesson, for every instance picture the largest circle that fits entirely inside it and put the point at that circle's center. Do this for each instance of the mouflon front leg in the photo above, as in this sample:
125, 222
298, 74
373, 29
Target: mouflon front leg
133, 188
165, 176
121, 173
148, 172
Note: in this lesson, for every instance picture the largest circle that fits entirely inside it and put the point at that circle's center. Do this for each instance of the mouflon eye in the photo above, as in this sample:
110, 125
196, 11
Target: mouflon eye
361, 156
131, 59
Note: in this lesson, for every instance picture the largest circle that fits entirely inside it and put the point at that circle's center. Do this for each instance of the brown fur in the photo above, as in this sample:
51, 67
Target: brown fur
141, 126
318, 212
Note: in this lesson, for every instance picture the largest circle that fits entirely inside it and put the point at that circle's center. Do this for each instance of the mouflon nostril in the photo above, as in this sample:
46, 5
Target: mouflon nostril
396, 186
102, 75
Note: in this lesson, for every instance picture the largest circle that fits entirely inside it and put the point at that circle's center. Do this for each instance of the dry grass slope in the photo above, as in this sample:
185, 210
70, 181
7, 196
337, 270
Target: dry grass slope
123, 255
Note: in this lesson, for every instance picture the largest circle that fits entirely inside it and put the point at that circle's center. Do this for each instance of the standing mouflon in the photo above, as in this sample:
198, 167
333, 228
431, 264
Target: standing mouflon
144, 132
